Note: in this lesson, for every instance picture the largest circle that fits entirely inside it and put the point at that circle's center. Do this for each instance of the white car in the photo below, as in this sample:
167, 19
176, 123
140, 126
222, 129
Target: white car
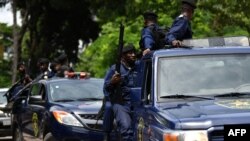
5, 116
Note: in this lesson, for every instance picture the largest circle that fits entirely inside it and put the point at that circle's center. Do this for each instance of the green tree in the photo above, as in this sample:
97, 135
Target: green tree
55, 26
102, 53
228, 17
211, 18
5, 42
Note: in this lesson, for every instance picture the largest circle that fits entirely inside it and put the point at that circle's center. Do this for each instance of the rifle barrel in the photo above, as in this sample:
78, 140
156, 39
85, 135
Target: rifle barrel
118, 63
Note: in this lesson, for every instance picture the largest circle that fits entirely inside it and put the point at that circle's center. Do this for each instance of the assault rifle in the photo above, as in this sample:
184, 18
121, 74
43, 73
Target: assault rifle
118, 61
117, 96
117, 69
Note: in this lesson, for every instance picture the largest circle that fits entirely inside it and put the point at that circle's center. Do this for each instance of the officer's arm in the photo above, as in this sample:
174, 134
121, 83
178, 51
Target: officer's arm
112, 79
147, 38
108, 87
177, 31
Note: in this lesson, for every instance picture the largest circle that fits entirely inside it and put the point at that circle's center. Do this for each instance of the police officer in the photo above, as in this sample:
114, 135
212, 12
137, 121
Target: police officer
24, 79
118, 86
108, 114
62, 65
43, 64
147, 41
52, 67
23, 75
181, 27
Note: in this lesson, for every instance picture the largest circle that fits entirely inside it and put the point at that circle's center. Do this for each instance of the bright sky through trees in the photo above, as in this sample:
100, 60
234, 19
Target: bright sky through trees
7, 17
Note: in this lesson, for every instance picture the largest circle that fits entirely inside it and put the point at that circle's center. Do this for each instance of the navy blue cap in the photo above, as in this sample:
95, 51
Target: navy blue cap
20, 64
149, 15
62, 57
191, 3
127, 48
43, 61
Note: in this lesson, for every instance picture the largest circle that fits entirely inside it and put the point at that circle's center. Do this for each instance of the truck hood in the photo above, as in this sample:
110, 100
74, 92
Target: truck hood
80, 106
208, 113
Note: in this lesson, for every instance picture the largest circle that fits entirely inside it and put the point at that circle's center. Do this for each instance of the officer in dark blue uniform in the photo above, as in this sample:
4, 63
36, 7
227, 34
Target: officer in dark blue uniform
118, 87
108, 118
24, 79
181, 28
45, 73
147, 42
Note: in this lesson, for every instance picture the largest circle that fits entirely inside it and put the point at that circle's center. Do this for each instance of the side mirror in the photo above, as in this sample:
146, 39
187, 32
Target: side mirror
36, 100
135, 96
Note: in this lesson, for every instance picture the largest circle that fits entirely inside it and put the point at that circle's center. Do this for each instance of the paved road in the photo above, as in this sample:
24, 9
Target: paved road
5, 139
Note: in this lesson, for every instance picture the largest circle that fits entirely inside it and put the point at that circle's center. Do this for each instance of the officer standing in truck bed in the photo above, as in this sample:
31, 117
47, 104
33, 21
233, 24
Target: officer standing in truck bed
181, 27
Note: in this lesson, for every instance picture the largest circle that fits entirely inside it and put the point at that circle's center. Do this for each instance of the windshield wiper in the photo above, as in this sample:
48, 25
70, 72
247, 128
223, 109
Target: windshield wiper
89, 99
232, 94
64, 100
185, 96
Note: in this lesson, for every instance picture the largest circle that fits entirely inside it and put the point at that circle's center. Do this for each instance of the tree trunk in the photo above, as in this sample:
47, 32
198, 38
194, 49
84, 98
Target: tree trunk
15, 42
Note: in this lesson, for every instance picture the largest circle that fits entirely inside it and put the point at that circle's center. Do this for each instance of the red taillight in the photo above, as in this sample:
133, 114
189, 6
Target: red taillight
79, 75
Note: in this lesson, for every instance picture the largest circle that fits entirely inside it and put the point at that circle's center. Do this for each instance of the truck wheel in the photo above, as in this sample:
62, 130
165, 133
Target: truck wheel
49, 137
17, 136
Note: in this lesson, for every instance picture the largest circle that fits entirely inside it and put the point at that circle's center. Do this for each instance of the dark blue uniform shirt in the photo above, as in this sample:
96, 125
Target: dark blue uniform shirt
180, 30
147, 36
131, 77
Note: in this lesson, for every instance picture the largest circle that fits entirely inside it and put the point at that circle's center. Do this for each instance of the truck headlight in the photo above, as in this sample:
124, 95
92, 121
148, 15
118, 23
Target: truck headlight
186, 136
66, 118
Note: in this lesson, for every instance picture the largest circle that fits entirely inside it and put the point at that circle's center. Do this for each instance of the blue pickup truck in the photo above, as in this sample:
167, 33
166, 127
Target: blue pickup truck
192, 93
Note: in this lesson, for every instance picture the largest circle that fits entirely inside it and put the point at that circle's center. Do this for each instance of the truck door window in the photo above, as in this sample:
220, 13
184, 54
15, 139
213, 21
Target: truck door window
35, 89
147, 82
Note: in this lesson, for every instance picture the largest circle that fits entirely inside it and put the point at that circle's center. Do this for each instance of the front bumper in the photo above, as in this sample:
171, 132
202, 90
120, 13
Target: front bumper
5, 127
72, 133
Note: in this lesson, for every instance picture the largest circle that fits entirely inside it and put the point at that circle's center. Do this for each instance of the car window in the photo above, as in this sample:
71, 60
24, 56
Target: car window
3, 99
35, 89
76, 90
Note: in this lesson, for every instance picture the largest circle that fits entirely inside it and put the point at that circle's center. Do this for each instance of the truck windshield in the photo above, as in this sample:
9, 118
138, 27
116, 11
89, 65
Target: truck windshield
203, 75
76, 90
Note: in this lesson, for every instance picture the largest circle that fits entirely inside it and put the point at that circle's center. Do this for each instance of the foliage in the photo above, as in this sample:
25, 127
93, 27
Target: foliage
5, 35
228, 14
6, 42
55, 26
102, 53
209, 20
5, 74
3, 3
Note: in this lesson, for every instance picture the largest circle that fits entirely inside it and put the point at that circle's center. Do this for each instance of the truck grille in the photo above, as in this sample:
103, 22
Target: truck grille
5, 115
90, 116
216, 134
90, 121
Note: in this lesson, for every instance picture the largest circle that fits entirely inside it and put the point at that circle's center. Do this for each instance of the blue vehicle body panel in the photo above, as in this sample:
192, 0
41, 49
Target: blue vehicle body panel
152, 118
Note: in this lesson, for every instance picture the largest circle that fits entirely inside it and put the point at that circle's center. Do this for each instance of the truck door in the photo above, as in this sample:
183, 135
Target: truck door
142, 114
34, 113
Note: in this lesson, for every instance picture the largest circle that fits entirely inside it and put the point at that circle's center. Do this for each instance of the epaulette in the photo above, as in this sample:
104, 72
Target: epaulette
182, 16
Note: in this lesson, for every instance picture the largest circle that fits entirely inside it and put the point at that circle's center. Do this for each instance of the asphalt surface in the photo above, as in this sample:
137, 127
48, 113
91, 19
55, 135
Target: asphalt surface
5, 139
